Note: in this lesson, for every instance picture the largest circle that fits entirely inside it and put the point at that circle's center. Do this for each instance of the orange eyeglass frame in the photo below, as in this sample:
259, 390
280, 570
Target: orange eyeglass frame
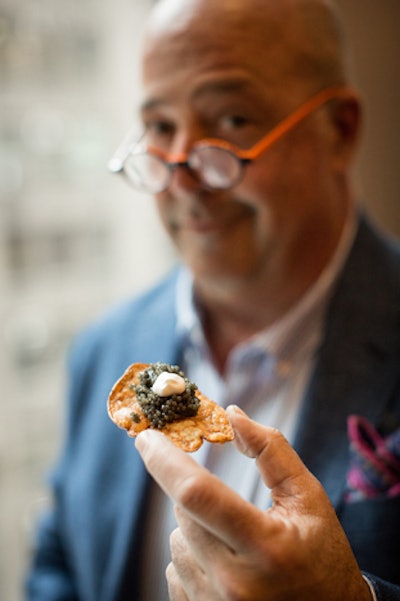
272, 136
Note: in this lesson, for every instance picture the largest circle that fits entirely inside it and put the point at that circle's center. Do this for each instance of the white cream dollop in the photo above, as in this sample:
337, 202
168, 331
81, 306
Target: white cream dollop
167, 384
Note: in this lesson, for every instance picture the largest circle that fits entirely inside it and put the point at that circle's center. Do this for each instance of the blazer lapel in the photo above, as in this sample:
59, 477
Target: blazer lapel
358, 363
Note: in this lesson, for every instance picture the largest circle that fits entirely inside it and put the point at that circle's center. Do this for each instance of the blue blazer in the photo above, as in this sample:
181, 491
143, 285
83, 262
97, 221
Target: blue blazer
88, 546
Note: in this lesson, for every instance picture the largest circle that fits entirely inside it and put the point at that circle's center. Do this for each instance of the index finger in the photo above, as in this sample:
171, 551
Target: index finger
206, 498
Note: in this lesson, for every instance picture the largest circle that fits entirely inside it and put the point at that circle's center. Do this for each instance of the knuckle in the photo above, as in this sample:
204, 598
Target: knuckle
177, 546
174, 536
170, 571
193, 492
233, 591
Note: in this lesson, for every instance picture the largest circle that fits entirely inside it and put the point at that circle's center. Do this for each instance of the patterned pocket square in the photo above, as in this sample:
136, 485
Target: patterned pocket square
374, 462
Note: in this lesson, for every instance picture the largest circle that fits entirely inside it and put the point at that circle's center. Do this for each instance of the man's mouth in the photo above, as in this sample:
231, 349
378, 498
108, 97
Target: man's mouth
200, 224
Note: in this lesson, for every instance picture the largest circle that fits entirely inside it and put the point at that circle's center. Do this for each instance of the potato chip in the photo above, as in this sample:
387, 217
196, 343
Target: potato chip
211, 422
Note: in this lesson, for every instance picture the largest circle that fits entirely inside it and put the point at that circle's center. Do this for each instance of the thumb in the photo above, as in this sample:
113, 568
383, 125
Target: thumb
279, 465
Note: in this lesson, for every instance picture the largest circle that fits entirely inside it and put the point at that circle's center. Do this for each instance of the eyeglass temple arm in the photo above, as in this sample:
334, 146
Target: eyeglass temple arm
293, 119
116, 163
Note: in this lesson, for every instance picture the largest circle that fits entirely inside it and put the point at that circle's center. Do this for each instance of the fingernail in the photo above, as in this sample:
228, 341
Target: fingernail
235, 409
143, 439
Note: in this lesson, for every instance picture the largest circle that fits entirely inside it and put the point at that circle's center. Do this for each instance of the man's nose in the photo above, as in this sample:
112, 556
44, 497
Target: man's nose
182, 178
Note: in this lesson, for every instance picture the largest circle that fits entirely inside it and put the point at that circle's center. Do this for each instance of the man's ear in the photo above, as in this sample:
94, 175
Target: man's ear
346, 119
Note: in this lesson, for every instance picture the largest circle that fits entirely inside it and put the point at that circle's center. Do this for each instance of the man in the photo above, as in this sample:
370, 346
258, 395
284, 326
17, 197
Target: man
288, 306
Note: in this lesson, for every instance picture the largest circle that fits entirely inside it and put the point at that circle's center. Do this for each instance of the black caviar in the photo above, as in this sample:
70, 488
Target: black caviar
164, 410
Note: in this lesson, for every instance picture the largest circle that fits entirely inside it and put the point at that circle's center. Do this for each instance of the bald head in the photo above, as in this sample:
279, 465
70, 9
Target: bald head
301, 38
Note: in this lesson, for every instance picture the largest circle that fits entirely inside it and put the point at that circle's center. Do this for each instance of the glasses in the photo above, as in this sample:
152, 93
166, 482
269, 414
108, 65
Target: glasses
216, 164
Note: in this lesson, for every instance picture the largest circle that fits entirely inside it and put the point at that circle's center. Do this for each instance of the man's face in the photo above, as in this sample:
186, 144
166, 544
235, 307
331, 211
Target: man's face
196, 88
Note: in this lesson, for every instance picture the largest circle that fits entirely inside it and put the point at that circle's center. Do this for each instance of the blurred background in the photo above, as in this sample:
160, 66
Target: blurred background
75, 239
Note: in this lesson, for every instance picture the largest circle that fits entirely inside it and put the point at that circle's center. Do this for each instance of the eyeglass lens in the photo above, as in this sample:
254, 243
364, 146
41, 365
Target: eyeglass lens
215, 167
148, 172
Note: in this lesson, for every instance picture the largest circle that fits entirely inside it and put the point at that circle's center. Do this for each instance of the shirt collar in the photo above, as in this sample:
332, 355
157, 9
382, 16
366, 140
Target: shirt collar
188, 321
300, 329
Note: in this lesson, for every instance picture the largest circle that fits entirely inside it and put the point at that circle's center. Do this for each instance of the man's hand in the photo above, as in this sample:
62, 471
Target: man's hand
225, 549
